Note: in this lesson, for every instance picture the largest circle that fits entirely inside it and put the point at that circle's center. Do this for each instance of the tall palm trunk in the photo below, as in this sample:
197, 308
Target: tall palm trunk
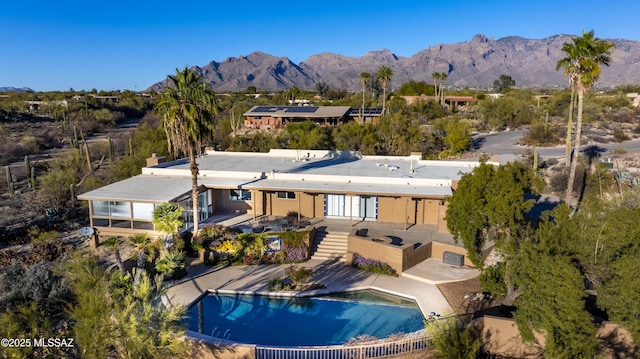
384, 99
435, 87
193, 166
576, 149
362, 114
570, 127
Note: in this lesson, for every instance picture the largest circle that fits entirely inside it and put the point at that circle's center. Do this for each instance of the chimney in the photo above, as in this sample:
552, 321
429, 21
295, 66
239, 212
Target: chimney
154, 160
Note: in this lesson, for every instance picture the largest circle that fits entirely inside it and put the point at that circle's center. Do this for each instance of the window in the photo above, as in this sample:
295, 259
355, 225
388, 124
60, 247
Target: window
287, 195
100, 208
239, 195
120, 209
143, 210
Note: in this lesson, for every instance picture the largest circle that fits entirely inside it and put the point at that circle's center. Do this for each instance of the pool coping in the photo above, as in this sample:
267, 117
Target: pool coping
220, 341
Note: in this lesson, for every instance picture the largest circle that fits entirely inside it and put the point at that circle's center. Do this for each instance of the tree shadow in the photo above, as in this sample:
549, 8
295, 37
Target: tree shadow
477, 143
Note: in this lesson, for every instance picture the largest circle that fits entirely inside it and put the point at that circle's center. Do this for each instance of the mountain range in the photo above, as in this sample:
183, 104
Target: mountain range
15, 89
475, 63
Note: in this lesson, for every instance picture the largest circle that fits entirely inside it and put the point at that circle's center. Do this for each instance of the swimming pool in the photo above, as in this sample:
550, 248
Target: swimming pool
321, 320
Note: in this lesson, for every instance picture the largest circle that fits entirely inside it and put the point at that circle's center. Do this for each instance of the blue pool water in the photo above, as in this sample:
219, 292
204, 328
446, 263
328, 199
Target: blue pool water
321, 320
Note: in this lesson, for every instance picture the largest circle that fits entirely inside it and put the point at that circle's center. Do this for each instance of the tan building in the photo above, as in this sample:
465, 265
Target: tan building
312, 184
272, 117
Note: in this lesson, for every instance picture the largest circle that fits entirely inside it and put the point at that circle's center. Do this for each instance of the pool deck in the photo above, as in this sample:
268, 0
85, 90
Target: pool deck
419, 284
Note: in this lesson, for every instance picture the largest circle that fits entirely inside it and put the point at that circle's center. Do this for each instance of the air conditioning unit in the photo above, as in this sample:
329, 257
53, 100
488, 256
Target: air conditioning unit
453, 259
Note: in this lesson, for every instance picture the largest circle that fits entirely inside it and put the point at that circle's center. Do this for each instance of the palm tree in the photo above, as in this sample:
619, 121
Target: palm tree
582, 66
188, 109
384, 74
572, 105
436, 77
443, 78
167, 218
364, 79
113, 244
142, 247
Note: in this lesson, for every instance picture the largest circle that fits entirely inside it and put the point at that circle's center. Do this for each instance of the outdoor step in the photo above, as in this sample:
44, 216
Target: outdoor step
340, 257
330, 246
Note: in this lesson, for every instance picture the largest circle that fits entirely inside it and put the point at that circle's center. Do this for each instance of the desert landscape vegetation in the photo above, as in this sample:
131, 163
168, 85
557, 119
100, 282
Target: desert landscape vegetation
559, 275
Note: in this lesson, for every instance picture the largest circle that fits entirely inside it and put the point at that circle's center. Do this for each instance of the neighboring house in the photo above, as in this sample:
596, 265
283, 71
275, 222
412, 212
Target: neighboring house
452, 101
272, 117
366, 115
313, 184
635, 99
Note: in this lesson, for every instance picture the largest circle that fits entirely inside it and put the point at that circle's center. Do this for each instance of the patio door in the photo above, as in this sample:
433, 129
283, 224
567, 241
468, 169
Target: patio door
361, 207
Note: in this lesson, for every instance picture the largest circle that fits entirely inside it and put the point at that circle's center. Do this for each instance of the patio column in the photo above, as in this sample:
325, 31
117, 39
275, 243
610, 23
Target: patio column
298, 195
406, 203
253, 197
350, 210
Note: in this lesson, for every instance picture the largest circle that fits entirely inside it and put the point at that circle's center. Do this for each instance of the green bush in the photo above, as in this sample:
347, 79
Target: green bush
45, 236
275, 285
299, 275
619, 135
170, 263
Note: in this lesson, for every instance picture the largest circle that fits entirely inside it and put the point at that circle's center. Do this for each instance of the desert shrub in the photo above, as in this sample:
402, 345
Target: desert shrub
452, 340
45, 236
552, 161
372, 265
541, 134
558, 182
38, 283
619, 135
598, 139
299, 275
619, 151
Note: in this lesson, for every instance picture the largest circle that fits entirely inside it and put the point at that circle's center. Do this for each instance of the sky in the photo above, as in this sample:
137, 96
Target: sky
130, 45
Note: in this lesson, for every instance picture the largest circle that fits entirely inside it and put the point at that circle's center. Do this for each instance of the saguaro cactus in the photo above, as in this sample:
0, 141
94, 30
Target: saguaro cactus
27, 170
32, 180
74, 141
110, 149
9, 181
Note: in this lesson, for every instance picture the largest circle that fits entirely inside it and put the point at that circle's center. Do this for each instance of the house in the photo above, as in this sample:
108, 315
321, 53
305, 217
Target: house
313, 184
452, 101
272, 117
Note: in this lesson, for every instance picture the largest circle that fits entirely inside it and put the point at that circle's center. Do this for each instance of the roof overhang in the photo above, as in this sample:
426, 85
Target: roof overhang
156, 188
359, 188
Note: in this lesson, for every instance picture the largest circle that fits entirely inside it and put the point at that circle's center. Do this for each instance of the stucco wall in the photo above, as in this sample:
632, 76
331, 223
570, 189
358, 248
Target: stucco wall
400, 257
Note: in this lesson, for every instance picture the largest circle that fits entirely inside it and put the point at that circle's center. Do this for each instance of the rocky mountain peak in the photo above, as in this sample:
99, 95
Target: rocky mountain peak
474, 63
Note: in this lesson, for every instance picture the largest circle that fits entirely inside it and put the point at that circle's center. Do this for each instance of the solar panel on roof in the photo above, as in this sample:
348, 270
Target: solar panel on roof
264, 109
367, 111
301, 109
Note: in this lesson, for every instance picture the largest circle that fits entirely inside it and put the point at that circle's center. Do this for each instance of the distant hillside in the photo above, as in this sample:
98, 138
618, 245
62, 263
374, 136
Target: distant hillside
14, 89
474, 63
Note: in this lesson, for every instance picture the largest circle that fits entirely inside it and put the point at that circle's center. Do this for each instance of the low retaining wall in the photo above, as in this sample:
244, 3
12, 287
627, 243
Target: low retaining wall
399, 257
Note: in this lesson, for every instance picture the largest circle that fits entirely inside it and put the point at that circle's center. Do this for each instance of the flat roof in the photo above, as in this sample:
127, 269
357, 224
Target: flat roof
156, 188
313, 163
315, 171
299, 111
